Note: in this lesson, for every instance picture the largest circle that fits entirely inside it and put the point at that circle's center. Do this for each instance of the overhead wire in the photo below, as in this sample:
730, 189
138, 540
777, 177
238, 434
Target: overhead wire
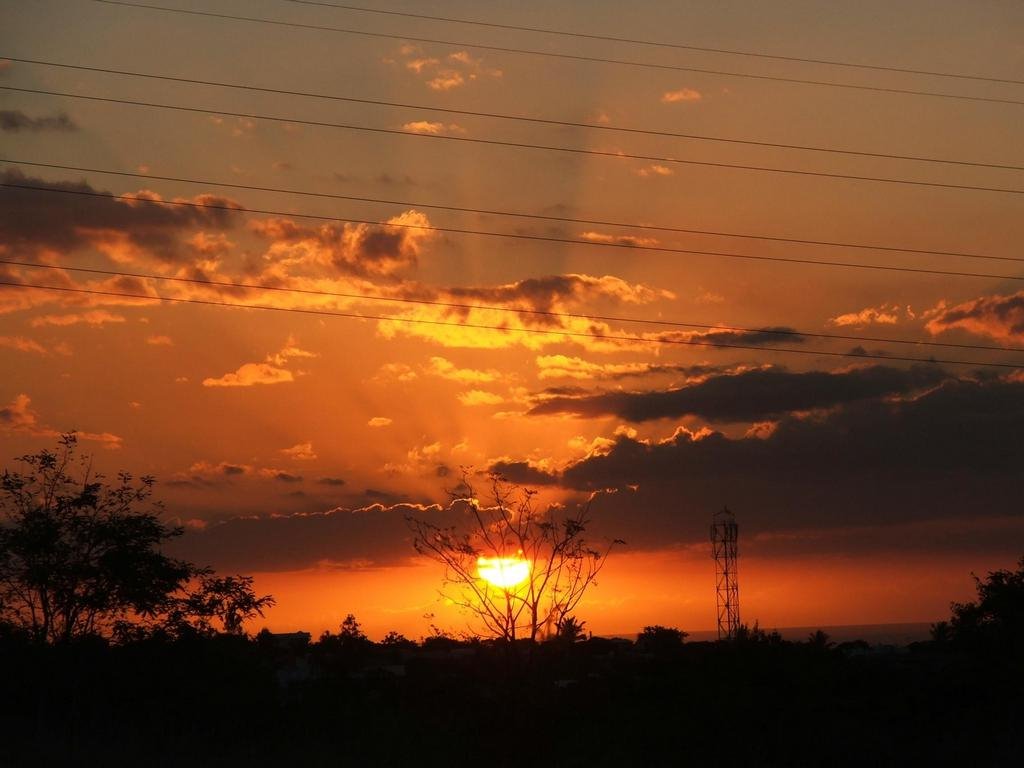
510, 214
519, 235
517, 144
516, 117
660, 44
562, 55
505, 329
769, 330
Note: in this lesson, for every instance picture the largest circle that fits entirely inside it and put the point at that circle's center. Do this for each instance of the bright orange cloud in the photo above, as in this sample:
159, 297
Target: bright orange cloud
681, 95
999, 317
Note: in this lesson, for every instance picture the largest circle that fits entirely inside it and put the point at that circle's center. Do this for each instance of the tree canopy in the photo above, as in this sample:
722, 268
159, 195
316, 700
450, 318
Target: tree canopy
82, 555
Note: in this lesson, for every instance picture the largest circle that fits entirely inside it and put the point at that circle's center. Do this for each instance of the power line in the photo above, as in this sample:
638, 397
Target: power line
519, 118
657, 44
518, 236
511, 214
774, 331
480, 326
517, 144
563, 56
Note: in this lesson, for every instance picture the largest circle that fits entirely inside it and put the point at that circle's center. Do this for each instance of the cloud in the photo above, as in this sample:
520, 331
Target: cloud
681, 95
998, 317
628, 240
754, 395
38, 225
160, 341
205, 474
954, 452
18, 417
454, 71
885, 314
446, 369
290, 351
566, 367
250, 374
300, 452
371, 536
433, 128
224, 468
480, 397
332, 481
280, 475
18, 414
523, 473
938, 472
541, 298
21, 344
95, 318
728, 337
420, 65
379, 421
352, 249
14, 121
445, 80
654, 170
271, 371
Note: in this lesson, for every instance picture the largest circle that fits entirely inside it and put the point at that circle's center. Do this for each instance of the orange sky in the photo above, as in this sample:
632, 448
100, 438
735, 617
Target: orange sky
866, 489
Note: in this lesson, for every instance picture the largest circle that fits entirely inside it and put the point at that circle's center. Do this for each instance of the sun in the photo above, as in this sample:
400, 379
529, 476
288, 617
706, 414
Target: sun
503, 572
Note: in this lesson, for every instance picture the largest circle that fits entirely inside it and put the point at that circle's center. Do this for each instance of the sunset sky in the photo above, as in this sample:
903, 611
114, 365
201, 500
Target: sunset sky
291, 445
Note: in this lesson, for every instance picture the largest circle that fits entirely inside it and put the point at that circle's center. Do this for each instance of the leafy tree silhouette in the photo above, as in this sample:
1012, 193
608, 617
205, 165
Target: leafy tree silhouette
660, 640
81, 556
995, 621
570, 630
820, 640
397, 640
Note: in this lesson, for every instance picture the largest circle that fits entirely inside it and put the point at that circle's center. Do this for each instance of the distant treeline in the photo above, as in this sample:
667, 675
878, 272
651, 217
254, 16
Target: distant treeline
344, 700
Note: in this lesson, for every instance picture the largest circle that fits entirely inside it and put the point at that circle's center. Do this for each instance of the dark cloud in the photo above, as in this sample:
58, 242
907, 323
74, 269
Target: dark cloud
372, 495
749, 396
522, 473
287, 477
1001, 317
550, 293
955, 452
390, 180
16, 120
375, 535
334, 481
37, 221
540, 293
939, 473
759, 337
356, 249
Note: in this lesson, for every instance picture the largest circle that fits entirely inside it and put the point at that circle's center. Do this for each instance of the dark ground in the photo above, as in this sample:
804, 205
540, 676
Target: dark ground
227, 701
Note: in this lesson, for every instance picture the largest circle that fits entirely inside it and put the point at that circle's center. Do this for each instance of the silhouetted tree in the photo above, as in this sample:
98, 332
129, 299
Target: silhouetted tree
659, 639
562, 564
81, 556
570, 630
229, 600
351, 629
820, 640
941, 632
996, 619
754, 634
397, 640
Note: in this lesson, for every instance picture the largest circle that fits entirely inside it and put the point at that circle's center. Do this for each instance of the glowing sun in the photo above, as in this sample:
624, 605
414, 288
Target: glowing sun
503, 572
